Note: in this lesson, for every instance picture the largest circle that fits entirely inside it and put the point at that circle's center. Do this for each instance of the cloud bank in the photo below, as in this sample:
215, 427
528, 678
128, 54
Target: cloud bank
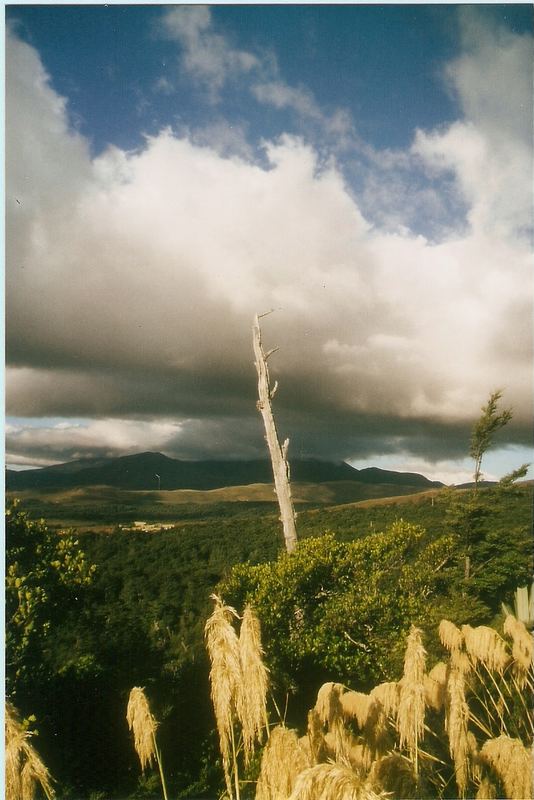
133, 277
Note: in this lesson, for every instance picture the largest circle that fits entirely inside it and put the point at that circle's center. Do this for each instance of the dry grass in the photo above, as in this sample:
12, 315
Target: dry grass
328, 703
393, 774
332, 763
316, 737
474, 757
283, 760
304, 744
450, 636
330, 711
360, 758
225, 676
356, 706
24, 769
377, 731
461, 662
143, 725
411, 713
512, 763
436, 686
486, 790
342, 746
252, 698
388, 695
484, 645
331, 782
456, 721
522, 647
371, 713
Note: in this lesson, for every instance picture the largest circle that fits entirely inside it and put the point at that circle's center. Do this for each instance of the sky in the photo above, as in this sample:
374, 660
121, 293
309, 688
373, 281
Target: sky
363, 171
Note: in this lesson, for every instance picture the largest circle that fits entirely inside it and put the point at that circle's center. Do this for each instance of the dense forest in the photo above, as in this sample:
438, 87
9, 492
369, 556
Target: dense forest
93, 616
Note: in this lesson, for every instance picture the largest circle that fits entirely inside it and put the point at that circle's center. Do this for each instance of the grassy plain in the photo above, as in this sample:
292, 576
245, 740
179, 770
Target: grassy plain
104, 508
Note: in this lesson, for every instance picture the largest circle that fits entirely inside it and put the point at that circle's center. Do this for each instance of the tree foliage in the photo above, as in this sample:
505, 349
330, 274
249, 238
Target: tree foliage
470, 513
44, 573
140, 620
489, 422
342, 607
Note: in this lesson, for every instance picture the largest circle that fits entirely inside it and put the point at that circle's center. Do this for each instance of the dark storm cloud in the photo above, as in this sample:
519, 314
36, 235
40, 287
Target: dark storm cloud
133, 279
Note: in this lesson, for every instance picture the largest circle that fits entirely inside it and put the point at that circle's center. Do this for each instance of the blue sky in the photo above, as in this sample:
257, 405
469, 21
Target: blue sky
383, 63
365, 170
108, 60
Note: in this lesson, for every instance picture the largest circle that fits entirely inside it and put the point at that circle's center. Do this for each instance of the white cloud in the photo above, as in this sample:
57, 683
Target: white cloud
450, 471
209, 57
280, 95
206, 54
133, 279
337, 124
163, 85
225, 138
493, 78
32, 446
490, 150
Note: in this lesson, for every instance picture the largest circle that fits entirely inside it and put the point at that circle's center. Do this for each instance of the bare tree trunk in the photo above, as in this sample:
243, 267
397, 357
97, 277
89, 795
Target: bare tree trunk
277, 451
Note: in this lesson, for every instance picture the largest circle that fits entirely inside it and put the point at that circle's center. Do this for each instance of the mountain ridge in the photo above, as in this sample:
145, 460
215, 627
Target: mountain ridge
149, 470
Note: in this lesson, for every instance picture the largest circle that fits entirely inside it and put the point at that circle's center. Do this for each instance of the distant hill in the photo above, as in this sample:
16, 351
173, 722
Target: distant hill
139, 472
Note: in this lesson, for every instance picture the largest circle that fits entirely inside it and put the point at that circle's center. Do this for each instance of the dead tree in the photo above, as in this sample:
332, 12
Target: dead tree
277, 451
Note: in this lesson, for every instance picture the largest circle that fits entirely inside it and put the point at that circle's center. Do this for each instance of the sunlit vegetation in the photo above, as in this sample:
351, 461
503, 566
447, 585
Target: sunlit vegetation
461, 729
334, 611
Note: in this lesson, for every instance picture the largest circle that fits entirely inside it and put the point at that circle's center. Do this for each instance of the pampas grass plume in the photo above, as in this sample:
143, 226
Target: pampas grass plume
316, 737
143, 725
436, 686
456, 719
356, 705
360, 758
282, 761
252, 697
328, 703
460, 662
24, 769
522, 646
388, 695
411, 713
486, 790
512, 762
484, 645
332, 782
393, 774
225, 675
451, 637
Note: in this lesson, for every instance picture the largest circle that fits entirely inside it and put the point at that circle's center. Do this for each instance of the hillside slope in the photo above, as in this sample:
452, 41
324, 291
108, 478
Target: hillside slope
149, 471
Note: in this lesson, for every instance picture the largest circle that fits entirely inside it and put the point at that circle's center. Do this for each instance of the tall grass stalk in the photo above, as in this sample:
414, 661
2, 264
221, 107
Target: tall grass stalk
225, 677
436, 686
484, 645
456, 722
522, 647
512, 762
239, 685
24, 769
252, 699
143, 724
366, 746
393, 773
332, 782
283, 760
411, 711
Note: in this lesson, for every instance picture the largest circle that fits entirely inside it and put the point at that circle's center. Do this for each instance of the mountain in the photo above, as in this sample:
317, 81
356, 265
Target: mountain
141, 471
